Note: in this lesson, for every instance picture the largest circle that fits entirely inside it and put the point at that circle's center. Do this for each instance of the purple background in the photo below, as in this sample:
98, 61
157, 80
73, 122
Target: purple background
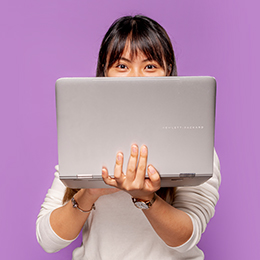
44, 40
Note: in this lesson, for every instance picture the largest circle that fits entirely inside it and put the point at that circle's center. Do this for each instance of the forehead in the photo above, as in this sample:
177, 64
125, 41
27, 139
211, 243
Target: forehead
130, 54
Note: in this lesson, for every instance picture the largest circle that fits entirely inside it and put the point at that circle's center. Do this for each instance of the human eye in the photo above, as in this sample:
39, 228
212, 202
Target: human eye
150, 66
153, 68
121, 66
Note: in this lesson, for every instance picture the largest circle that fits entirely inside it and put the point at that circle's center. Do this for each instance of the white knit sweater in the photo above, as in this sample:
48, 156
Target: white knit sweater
118, 230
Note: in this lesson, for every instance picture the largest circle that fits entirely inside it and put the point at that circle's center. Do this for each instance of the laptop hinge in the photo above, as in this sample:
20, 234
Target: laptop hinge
84, 176
187, 175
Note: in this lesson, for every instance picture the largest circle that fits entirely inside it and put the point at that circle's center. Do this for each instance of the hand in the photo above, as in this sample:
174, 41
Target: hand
134, 181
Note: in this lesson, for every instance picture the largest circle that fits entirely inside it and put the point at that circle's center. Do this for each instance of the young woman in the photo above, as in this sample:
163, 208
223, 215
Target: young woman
170, 222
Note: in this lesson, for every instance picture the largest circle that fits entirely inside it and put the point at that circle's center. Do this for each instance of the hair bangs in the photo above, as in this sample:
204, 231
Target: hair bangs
116, 51
144, 41
118, 42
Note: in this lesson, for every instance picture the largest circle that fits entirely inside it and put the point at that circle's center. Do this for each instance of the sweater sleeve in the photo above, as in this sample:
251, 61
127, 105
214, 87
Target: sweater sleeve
199, 203
46, 237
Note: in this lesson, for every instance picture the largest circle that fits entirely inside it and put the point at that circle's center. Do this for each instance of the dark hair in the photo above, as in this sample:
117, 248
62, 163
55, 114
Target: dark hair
145, 35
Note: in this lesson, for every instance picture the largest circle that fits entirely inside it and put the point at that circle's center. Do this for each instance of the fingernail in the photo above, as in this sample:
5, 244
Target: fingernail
134, 149
144, 149
151, 170
119, 157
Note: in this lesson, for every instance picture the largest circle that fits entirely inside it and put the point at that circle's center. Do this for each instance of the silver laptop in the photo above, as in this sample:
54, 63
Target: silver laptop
98, 117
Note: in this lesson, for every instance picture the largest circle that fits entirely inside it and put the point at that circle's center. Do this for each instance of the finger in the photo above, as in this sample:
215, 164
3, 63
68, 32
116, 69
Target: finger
118, 170
155, 180
141, 169
107, 179
132, 163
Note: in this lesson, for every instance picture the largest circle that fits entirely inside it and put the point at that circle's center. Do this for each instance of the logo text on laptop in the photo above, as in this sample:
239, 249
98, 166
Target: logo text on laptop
182, 127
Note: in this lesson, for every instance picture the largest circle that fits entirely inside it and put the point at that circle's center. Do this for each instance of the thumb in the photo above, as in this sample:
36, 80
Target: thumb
154, 177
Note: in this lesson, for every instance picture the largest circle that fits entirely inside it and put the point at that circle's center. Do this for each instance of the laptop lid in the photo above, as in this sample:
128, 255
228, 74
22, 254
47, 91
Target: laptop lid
173, 116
